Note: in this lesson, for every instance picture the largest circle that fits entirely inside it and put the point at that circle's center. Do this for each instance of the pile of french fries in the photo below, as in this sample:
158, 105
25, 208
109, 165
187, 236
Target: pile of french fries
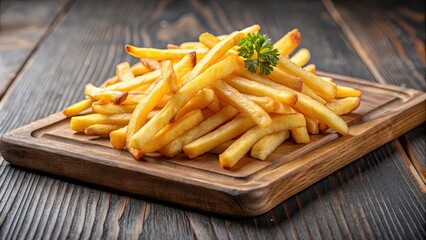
198, 98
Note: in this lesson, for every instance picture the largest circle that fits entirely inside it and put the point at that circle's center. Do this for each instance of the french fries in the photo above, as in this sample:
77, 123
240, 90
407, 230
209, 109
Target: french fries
267, 144
243, 144
198, 97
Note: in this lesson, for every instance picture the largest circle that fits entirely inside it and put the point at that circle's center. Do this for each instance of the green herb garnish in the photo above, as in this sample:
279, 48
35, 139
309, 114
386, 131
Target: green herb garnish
258, 51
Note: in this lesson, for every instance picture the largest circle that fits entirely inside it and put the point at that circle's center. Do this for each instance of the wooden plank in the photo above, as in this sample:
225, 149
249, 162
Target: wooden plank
373, 197
392, 47
48, 145
22, 26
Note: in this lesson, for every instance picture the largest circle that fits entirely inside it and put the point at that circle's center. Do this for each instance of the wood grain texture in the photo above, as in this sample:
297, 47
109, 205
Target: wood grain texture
22, 26
390, 38
251, 188
375, 197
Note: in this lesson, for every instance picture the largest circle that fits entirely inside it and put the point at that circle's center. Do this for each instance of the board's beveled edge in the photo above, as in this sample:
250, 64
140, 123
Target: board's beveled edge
253, 198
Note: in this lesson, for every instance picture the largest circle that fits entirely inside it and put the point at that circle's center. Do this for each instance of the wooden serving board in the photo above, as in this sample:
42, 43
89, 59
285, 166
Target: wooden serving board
253, 187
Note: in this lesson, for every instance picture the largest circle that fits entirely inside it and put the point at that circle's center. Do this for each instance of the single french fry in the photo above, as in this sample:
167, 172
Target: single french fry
101, 94
284, 109
201, 100
300, 135
328, 79
110, 81
117, 138
254, 88
125, 75
79, 123
222, 147
343, 92
167, 70
310, 68
223, 134
289, 42
192, 45
173, 131
121, 67
181, 68
217, 71
344, 105
244, 143
133, 99
209, 124
139, 69
231, 95
309, 92
112, 109
301, 57
267, 144
209, 40
311, 125
215, 104
213, 55
309, 107
101, 130
161, 54
77, 108
172, 46
266, 103
324, 89
151, 63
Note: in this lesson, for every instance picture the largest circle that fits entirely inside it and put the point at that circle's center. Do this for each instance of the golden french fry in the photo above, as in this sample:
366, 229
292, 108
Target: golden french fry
244, 143
254, 88
310, 68
277, 76
101, 94
309, 92
213, 55
266, 103
77, 108
111, 109
125, 75
139, 69
324, 89
161, 54
301, 57
192, 45
217, 71
222, 147
101, 130
164, 100
173, 131
284, 109
151, 63
310, 108
211, 123
172, 46
328, 79
231, 96
312, 125
343, 92
267, 144
209, 40
110, 81
181, 68
300, 135
167, 70
201, 100
344, 105
117, 138
122, 67
288, 42
215, 104
79, 123
222, 134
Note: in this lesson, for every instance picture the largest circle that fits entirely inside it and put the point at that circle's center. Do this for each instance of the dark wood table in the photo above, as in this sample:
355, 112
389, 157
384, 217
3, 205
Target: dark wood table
50, 49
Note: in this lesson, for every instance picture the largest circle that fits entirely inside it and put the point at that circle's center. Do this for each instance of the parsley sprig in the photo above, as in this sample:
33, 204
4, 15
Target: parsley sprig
259, 52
